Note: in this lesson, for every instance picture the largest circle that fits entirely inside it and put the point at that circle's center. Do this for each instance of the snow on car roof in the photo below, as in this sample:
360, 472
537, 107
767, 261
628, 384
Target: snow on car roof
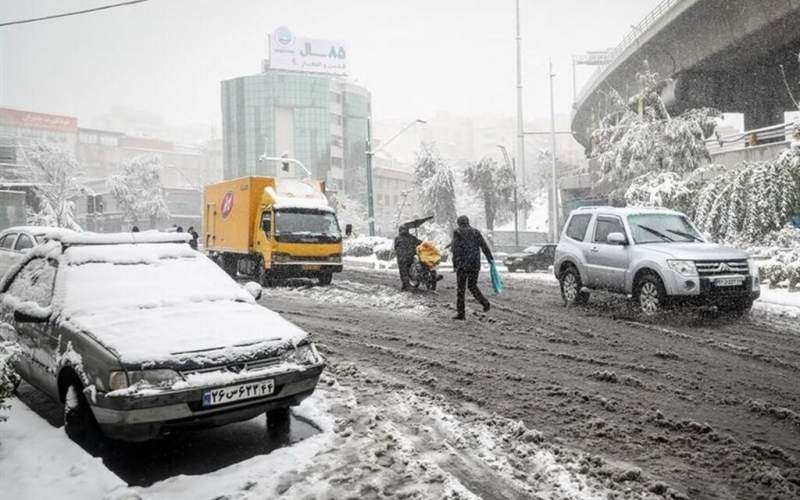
302, 203
37, 230
88, 238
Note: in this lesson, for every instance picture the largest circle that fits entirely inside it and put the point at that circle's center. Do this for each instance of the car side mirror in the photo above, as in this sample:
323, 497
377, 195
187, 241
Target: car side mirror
617, 239
348, 230
21, 317
254, 289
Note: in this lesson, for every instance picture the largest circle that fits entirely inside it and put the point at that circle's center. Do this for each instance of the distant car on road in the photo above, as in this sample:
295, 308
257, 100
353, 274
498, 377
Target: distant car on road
140, 335
655, 255
16, 241
531, 259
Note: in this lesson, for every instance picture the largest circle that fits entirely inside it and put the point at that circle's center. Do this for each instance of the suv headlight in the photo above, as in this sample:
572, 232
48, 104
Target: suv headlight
305, 354
162, 377
683, 267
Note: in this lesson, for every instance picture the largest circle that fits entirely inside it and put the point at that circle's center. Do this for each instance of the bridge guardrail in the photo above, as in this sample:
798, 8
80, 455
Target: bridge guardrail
755, 137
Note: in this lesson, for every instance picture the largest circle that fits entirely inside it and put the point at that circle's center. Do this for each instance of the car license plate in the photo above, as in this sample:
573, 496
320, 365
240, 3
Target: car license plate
312, 267
222, 395
729, 282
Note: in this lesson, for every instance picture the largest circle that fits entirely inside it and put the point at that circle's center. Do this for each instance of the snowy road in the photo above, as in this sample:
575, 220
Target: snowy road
707, 405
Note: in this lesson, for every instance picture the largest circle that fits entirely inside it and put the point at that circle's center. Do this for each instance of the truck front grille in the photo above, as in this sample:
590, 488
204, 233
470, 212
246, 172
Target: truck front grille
720, 267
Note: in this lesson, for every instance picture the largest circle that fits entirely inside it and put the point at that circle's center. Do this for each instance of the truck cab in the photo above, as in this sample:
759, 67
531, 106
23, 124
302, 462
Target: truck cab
273, 228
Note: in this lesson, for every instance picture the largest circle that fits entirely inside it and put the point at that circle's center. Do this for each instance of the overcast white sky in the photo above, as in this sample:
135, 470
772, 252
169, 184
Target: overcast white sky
416, 56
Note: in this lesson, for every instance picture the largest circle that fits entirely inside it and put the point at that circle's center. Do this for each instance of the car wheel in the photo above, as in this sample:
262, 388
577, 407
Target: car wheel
79, 422
325, 279
278, 421
530, 268
650, 295
572, 287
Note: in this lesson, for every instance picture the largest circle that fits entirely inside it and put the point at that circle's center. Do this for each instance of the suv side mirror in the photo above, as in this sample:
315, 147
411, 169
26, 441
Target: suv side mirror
348, 230
616, 239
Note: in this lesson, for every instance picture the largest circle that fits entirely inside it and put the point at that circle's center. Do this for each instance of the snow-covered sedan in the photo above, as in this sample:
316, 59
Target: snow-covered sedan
141, 335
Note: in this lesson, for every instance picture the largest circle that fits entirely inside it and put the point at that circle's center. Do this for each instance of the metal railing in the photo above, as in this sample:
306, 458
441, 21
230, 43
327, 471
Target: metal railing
780, 132
632, 37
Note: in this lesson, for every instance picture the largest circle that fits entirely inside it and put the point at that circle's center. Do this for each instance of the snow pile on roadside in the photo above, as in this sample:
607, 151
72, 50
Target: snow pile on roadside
358, 295
40, 461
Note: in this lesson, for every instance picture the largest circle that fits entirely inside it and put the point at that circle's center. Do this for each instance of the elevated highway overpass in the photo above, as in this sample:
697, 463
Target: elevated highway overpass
720, 53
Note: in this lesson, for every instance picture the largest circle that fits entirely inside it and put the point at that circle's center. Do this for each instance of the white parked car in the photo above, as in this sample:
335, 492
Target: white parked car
16, 241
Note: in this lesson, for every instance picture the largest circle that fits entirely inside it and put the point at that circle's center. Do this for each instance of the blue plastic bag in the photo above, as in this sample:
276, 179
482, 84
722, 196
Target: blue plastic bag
497, 282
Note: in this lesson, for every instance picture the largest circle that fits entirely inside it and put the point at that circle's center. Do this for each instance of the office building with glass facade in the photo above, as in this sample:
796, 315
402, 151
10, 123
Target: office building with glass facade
318, 119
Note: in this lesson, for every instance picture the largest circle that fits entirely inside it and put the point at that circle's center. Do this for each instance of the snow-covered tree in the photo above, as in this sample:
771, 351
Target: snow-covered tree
639, 137
665, 189
494, 185
138, 190
55, 173
349, 211
435, 183
745, 204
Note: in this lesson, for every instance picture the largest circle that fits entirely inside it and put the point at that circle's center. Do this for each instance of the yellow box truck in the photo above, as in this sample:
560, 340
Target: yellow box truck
272, 228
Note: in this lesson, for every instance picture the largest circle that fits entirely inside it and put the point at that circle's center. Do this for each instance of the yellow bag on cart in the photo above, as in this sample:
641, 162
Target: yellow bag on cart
428, 254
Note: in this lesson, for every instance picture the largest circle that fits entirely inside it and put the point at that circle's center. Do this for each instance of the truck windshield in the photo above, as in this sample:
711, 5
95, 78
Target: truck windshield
662, 228
306, 226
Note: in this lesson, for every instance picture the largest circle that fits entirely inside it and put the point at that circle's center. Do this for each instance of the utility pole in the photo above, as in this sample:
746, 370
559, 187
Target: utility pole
554, 192
520, 125
513, 166
370, 204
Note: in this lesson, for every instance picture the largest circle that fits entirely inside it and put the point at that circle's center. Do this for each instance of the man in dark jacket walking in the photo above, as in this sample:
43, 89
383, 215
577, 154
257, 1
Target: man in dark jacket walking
405, 247
467, 245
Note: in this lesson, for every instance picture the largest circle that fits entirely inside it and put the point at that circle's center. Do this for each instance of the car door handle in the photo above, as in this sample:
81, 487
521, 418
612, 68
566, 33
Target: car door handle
595, 249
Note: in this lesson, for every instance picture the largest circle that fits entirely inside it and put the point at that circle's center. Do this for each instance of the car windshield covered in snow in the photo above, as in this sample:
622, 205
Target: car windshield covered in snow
304, 225
662, 228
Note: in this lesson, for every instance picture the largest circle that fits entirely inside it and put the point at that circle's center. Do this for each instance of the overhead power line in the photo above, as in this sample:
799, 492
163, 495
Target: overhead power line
74, 13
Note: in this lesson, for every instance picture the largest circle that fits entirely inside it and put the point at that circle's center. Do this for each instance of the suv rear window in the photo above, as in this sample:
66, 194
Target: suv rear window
577, 226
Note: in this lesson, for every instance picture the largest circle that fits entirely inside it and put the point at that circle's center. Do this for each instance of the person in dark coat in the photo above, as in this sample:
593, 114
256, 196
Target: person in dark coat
405, 247
467, 245
195, 236
135, 229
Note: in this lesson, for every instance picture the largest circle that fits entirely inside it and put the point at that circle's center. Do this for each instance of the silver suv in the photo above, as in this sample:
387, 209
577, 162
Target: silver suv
655, 255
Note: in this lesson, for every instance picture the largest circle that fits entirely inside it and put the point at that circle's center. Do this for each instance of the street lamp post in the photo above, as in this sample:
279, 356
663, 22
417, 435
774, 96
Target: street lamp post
512, 164
553, 159
370, 154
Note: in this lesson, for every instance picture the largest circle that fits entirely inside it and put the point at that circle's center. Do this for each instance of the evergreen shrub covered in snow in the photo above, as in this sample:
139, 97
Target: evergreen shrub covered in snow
8, 377
435, 183
385, 251
363, 246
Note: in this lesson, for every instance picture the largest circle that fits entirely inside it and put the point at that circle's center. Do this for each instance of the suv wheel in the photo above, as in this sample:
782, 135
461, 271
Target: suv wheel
650, 295
571, 287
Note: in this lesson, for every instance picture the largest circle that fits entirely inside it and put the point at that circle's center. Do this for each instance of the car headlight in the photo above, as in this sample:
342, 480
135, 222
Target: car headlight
157, 378
683, 267
305, 354
755, 272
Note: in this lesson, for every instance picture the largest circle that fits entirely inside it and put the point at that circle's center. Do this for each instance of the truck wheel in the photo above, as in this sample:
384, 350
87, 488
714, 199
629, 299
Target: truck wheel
571, 287
650, 295
325, 279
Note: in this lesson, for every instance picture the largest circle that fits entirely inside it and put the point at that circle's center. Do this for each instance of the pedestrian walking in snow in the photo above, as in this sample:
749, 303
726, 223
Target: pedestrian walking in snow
195, 237
467, 245
405, 247
135, 229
